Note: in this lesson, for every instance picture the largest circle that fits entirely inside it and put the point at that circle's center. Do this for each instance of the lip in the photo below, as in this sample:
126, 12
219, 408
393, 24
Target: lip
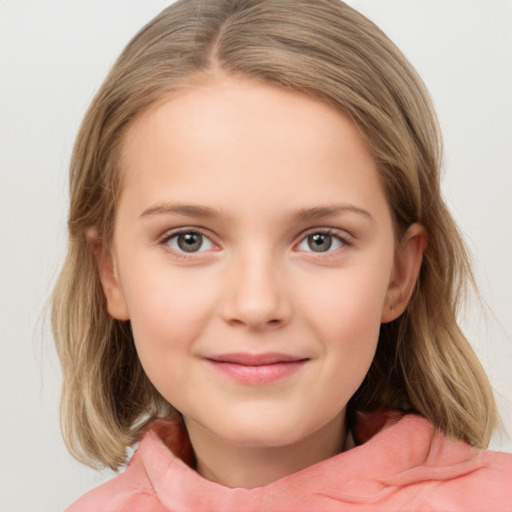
257, 369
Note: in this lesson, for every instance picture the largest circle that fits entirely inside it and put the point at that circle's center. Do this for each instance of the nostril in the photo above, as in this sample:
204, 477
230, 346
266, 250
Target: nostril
275, 322
235, 321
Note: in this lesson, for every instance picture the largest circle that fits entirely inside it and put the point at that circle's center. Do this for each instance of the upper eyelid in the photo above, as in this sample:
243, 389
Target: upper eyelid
163, 242
337, 232
170, 233
346, 239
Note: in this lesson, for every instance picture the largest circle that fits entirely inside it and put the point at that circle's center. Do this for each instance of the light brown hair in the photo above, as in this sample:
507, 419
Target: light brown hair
331, 52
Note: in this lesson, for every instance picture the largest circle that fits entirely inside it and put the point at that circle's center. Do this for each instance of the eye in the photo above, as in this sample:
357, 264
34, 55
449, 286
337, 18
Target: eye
189, 241
321, 242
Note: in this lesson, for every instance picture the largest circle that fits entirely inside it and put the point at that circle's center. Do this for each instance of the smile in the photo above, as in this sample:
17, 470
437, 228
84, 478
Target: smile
257, 369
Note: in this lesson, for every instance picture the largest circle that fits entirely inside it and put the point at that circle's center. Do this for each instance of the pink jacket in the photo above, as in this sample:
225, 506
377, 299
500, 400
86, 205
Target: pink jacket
406, 465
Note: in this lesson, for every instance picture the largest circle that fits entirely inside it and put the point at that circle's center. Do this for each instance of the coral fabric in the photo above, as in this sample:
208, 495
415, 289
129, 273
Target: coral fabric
402, 464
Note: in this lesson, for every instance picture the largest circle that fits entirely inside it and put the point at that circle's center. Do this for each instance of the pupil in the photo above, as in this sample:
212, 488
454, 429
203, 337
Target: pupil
320, 242
190, 242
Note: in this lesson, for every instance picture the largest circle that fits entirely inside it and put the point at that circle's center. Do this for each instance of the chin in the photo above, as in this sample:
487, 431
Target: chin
261, 439
259, 430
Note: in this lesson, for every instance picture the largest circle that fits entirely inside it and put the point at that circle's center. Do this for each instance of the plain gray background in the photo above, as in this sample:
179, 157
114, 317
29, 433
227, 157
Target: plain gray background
53, 57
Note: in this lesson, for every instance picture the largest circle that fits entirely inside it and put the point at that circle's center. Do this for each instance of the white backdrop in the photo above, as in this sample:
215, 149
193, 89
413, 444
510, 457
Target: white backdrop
53, 57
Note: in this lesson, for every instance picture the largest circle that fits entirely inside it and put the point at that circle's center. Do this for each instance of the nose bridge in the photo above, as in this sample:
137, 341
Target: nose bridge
255, 295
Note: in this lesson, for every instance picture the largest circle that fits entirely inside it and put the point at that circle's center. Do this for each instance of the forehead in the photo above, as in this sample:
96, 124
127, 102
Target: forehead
242, 138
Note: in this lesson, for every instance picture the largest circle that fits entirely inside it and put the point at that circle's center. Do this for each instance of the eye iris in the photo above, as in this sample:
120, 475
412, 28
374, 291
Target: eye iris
190, 242
320, 242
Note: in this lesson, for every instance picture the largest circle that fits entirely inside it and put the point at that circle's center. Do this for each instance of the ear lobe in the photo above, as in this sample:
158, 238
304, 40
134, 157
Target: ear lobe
105, 264
405, 272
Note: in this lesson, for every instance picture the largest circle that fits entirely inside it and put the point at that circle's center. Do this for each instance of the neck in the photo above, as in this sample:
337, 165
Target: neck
248, 467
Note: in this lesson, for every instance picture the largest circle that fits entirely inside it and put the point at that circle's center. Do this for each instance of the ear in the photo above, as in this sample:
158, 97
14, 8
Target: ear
107, 272
405, 272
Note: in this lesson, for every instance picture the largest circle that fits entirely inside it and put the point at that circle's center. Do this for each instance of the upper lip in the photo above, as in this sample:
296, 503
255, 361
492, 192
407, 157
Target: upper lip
248, 359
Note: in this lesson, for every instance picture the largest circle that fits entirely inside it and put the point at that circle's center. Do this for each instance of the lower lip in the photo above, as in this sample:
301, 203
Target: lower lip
258, 375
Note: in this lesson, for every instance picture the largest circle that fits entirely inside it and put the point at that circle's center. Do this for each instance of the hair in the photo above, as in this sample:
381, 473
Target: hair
325, 49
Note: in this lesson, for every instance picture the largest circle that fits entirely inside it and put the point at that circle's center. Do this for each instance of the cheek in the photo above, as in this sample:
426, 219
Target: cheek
168, 311
344, 312
345, 300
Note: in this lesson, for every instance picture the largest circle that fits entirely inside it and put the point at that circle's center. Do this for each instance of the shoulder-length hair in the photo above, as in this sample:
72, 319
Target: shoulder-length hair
329, 51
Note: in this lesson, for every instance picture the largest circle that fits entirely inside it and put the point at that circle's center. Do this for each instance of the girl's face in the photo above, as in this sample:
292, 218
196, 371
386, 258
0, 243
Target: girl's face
254, 255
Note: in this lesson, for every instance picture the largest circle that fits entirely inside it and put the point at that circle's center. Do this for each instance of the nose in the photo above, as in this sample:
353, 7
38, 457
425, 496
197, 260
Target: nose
255, 294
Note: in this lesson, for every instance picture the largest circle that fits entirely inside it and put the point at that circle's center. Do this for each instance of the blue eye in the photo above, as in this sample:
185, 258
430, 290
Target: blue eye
320, 242
189, 241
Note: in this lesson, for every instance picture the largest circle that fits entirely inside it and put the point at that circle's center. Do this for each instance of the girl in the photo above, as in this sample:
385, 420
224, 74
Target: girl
262, 278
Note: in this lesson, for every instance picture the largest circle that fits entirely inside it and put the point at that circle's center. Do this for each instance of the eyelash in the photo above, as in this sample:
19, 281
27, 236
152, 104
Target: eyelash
167, 237
345, 239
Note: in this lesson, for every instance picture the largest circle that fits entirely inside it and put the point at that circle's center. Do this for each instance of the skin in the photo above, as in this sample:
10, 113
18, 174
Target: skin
263, 168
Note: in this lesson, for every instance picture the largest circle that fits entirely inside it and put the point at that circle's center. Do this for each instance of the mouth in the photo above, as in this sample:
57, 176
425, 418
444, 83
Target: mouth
257, 369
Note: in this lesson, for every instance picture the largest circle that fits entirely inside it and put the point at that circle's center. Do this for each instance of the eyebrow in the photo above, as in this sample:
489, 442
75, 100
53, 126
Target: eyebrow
306, 214
302, 214
187, 210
